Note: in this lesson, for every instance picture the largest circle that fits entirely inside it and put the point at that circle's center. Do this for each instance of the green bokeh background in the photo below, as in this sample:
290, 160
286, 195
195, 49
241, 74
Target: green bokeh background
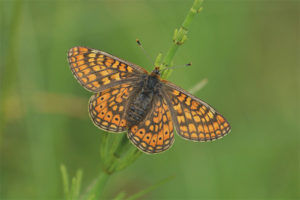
247, 50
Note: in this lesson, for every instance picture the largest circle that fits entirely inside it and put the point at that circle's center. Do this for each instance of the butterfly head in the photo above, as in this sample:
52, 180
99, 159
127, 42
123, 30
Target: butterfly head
155, 72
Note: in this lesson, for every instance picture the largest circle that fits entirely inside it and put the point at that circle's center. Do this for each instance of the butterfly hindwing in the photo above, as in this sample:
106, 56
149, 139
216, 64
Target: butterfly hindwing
107, 108
193, 118
96, 70
155, 133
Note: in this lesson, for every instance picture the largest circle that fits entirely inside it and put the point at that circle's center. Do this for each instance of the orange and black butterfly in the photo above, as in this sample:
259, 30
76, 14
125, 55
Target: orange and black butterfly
128, 98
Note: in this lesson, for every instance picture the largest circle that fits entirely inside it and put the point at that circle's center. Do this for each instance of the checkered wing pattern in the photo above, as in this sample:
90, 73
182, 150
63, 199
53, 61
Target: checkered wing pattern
96, 70
155, 133
193, 118
107, 108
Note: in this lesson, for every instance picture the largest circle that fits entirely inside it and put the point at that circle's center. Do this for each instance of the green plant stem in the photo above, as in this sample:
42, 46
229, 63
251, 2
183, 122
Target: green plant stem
65, 179
132, 154
104, 146
120, 196
118, 154
123, 146
179, 37
96, 189
76, 184
149, 189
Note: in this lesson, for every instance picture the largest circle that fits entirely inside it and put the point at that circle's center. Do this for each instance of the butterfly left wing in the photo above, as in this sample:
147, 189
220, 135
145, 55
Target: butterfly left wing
193, 118
107, 108
96, 70
155, 133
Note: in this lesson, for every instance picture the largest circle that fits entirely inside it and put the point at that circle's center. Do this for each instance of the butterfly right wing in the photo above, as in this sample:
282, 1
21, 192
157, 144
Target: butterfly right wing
193, 118
96, 70
155, 133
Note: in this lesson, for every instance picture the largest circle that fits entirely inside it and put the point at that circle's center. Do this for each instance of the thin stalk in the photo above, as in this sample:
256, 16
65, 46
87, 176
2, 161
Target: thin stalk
149, 189
97, 188
179, 37
123, 146
65, 179
132, 155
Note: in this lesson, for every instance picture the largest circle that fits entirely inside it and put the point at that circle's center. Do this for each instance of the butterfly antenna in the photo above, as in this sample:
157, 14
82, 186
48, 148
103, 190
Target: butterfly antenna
145, 52
179, 66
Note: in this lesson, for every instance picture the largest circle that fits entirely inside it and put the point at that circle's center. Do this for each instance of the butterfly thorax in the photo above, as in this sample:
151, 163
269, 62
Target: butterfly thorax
140, 104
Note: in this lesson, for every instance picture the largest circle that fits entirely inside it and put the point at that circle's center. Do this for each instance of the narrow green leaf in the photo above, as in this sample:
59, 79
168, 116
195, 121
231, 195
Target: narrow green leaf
78, 183
73, 189
97, 188
120, 196
129, 158
65, 180
158, 60
150, 189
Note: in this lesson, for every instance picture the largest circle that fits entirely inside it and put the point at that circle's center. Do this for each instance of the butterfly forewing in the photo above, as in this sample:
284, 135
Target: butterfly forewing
96, 70
193, 118
155, 133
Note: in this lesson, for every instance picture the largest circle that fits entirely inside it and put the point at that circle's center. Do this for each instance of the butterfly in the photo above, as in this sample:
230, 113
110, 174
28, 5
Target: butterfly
128, 98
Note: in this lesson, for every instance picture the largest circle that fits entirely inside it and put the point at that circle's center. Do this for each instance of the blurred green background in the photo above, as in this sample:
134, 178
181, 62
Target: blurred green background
247, 50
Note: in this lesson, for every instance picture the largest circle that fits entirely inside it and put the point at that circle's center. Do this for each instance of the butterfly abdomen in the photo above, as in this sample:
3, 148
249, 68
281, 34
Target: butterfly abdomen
141, 103
139, 107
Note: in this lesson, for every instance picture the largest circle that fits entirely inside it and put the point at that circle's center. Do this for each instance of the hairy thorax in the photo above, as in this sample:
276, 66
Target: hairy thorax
141, 102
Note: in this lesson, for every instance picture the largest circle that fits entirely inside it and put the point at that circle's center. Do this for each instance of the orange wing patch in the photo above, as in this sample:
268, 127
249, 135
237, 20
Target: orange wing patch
155, 133
95, 69
107, 108
196, 120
